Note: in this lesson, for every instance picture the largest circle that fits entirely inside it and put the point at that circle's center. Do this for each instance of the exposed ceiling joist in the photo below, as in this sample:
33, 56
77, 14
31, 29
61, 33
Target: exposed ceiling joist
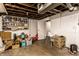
27, 5
10, 9
20, 14
15, 10
14, 6
64, 5
52, 12
13, 14
21, 9
57, 10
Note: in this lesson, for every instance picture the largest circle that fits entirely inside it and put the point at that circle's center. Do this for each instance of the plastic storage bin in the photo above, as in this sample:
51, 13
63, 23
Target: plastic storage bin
23, 43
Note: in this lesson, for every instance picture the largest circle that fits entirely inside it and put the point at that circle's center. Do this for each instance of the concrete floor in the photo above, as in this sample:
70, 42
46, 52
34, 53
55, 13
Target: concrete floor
37, 49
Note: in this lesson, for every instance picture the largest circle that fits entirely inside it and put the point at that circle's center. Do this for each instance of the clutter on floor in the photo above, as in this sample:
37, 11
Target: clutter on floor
35, 38
39, 49
2, 46
1, 43
6, 38
73, 49
23, 40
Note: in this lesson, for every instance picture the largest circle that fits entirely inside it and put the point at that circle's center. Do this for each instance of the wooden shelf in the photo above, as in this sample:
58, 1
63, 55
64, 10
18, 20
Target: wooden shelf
11, 22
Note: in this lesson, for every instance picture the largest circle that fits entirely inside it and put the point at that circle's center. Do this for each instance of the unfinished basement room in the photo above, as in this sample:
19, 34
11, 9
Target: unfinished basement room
39, 29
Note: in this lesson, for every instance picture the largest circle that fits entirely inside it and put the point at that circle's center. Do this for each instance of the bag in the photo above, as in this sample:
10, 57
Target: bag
73, 48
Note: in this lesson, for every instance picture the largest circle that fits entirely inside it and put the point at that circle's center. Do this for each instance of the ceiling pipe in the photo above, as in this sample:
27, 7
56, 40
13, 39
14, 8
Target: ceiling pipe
46, 7
71, 8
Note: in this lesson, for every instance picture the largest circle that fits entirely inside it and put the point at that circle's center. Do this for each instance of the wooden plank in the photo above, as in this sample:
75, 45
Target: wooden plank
20, 11
14, 6
27, 5
16, 12
52, 12
21, 15
57, 10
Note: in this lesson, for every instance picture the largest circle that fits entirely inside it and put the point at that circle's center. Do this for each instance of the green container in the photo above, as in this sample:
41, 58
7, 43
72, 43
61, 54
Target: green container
23, 35
23, 43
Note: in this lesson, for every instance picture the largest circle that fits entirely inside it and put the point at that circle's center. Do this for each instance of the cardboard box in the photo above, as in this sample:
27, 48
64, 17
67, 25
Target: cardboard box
59, 42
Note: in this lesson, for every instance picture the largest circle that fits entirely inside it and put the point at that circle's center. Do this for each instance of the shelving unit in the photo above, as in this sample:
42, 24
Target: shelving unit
14, 23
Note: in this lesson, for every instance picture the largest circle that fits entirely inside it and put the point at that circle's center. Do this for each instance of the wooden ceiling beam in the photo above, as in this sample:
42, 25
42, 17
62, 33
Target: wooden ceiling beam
16, 10
27, 5
64, 5
21, 14
16, 13
57, 10
14, 6
52, 12
20, 11
23, 6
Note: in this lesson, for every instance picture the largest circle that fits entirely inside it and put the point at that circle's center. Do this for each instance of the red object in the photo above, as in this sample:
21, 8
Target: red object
34, 38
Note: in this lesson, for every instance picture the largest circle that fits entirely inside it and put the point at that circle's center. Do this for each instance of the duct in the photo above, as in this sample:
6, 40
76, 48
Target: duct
48, 7
71, 8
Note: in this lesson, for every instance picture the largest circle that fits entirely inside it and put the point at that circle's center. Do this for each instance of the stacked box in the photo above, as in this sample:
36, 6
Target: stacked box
59, 41
6, 37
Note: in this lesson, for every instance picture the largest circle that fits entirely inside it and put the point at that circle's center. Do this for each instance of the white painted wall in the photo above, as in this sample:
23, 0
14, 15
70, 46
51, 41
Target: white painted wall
33, 27
41, 29
66, 25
